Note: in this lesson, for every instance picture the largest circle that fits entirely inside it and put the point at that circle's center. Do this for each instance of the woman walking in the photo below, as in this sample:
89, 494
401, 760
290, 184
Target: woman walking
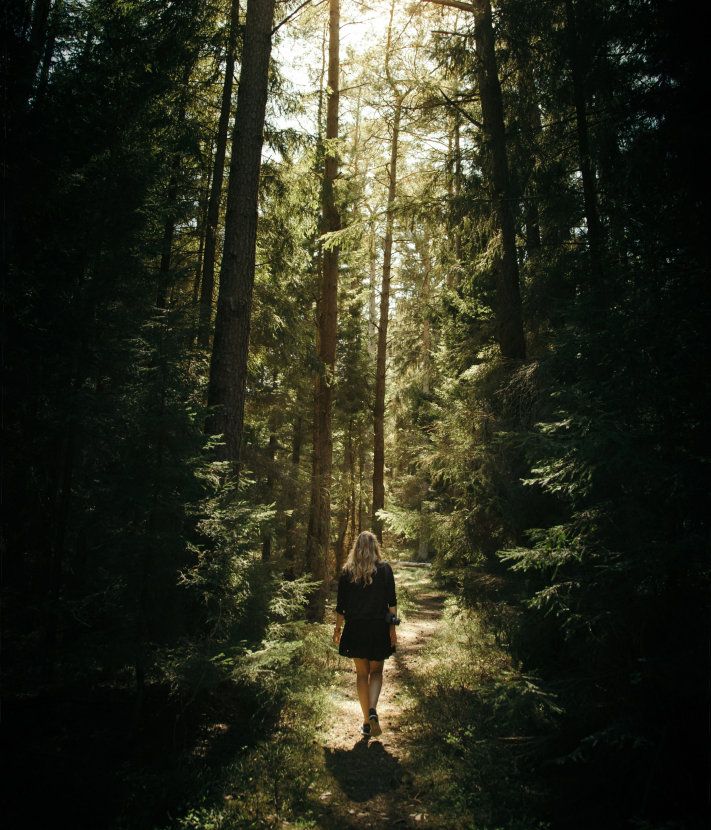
367, 602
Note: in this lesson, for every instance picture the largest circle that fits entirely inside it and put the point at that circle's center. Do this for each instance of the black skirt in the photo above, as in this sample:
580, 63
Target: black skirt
368, 639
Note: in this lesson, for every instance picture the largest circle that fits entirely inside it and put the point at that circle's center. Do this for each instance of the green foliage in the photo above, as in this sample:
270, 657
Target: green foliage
491, 721
267, 780
567, 489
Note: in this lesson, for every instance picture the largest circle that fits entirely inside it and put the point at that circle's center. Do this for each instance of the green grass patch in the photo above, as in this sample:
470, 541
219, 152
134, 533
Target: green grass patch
480, 724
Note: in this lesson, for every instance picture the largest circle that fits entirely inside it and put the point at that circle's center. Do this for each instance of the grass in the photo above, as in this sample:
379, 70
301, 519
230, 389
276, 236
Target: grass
479, 726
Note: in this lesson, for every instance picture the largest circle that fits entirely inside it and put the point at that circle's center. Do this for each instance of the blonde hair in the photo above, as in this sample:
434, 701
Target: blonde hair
362, 559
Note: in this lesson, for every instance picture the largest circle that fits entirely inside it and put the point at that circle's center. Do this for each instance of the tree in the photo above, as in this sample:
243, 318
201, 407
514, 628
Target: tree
587, 173
379, 405
318, 533
228, 365
207, 283
508, 295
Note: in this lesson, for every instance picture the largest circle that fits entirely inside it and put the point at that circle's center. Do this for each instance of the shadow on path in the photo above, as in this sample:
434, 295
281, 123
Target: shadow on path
364, 771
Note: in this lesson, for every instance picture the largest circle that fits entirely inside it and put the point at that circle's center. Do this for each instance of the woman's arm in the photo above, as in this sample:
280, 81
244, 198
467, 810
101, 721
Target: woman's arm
337, 630
392, 603
393, 628
340, 609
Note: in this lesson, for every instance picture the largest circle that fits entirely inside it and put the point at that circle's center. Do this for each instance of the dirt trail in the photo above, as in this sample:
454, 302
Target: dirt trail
369, 783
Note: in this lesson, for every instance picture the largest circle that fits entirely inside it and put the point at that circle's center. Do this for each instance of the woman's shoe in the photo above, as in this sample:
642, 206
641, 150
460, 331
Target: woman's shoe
375, 729
365, 730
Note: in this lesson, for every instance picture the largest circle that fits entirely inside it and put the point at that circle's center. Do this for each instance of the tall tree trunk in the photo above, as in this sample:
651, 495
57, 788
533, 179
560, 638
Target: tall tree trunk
380, 360
587, 174
202, 231
293, 487
352, 483
379, 406
457, 155
321, 78
361, 478
611, 202
372, 290
454, 188
531, 133
228, 365
51, 42
32, 48
171, 199
207, 287
271, 454
508, 296
166, 254
426, 350
340, 543
426, 368
423, 542
318, 533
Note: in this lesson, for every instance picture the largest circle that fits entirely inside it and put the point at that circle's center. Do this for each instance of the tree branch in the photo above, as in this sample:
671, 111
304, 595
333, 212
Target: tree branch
454, 4
294, 13
460, 109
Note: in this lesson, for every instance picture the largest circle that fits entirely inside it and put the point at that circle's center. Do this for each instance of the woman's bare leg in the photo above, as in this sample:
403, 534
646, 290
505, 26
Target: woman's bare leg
363, 669
375, 682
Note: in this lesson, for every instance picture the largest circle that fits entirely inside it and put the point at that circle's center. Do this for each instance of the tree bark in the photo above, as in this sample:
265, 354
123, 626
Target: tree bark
508, 296
587, 174
352, 483
271, 455
531, 131
426, 349
380, 361
372, 290
379, 406
318, 533
293, 485
171, 199
31, 48
202, 231
228, 365
207, 287
361, 478
454, 190
50, 44
340, 545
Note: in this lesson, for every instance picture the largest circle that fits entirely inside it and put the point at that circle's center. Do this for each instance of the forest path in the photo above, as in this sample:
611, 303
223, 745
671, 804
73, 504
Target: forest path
370, 783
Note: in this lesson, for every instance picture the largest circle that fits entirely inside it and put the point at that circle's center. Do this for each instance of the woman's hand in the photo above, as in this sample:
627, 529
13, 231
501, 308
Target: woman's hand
336, 635
393, 629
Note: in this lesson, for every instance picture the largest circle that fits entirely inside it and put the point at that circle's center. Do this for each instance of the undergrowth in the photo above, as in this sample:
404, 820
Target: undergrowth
266, 782
481, 723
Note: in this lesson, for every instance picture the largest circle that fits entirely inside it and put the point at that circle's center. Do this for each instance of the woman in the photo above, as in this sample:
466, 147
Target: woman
366, 596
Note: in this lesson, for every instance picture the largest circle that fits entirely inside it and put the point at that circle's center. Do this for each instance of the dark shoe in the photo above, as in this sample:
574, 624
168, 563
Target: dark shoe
365, 730
375, 729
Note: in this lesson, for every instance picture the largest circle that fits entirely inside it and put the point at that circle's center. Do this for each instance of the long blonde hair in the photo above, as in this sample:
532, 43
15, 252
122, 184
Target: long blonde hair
362, 559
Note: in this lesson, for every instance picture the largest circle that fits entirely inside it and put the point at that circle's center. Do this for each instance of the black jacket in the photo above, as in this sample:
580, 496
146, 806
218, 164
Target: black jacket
367, 602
